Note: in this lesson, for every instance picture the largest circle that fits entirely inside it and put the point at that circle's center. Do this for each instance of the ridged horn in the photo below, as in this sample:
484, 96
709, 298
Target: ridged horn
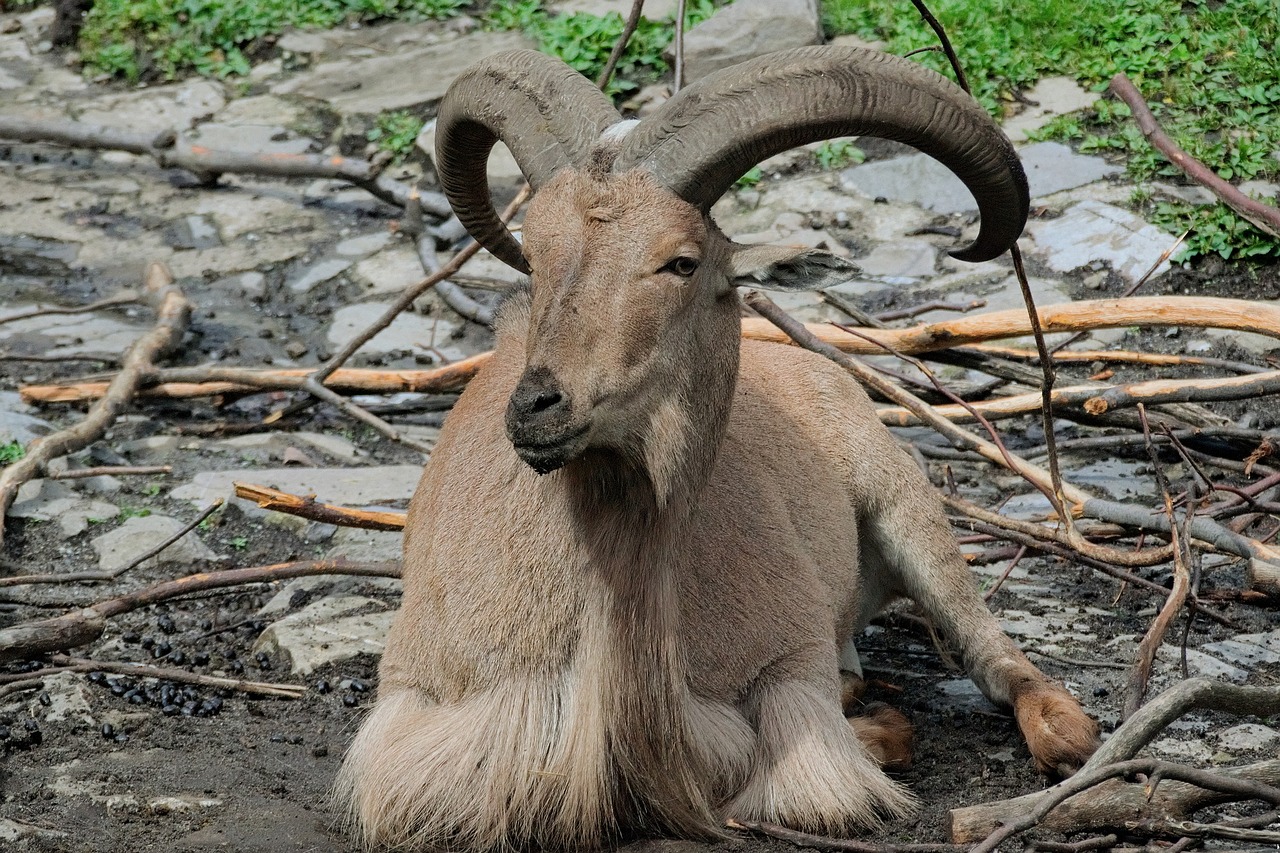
549, 115
707, 136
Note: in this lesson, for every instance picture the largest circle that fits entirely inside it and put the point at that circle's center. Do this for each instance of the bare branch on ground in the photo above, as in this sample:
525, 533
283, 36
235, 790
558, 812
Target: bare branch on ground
173, 312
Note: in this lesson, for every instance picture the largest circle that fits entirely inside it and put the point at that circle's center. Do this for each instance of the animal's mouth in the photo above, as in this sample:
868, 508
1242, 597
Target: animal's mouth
545, 454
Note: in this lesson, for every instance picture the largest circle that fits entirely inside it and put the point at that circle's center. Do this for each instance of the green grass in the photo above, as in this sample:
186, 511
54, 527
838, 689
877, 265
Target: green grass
1208, 70
396, 132
11, 451
163, 39
584, 41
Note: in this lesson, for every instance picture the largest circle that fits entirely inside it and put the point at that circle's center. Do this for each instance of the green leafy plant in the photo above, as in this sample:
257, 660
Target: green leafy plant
750, 179
396, 132
11, 451
837, 153
240, 543
133, 512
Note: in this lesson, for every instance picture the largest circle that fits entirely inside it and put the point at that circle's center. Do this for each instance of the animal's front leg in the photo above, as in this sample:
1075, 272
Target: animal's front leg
811, 772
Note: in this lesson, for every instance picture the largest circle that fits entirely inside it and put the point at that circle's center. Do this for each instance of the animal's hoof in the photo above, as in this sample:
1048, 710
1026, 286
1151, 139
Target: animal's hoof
886, 733
1060, 735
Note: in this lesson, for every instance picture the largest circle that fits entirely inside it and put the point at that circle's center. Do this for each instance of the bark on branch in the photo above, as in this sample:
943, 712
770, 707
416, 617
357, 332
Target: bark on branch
173, 312
170, 152
1263, 217
1110, 804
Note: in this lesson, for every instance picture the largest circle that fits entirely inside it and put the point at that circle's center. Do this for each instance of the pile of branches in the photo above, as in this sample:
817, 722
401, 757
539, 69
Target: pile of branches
1227, 509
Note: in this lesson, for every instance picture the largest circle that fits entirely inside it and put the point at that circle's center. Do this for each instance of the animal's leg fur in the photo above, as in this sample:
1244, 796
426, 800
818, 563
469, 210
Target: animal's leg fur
912, 540
886, 733
811, 772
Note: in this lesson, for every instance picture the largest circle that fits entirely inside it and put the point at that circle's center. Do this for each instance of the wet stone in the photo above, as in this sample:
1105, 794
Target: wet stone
1249, 737
136, 536
318, 273
323, 633
1091, 232
407, 333
192, 232
347, 486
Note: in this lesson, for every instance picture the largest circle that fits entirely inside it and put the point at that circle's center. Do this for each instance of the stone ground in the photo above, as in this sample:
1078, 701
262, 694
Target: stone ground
284, 272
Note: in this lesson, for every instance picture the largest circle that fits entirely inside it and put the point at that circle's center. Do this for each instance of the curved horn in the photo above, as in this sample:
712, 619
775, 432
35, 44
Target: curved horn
707, 136
549, 115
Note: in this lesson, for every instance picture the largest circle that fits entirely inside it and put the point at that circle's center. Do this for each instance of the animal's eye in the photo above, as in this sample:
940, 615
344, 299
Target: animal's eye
683, 267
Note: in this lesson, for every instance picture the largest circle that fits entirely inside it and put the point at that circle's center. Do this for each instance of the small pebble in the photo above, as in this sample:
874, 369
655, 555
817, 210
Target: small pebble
322, 686
350, 700
178, 658
45, 699
200, 658
277, 738
108, 731
170, 710
4, 733
131, 637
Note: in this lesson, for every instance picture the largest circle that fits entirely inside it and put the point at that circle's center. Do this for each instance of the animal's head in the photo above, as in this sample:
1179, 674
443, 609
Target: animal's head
630, 277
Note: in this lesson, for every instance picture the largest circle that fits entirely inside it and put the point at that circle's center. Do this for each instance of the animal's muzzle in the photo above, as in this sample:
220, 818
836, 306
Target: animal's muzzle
540, 422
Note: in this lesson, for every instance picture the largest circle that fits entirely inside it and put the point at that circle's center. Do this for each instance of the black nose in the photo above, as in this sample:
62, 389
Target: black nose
540, 421
538, 397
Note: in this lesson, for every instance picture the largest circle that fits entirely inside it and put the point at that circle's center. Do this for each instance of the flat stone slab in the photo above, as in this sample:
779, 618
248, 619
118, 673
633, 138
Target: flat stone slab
157, 108
747, 29
322, 633
1092, 232
378, 484
1249, 737
136, 536
1053, 167
397, 80
408, 332
50, 500
1052, 96
919, 179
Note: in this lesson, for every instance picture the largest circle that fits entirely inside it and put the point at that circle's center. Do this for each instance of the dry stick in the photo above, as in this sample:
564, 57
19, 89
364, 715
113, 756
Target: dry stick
1223, 783
974, 822
426, 243
1189, 830
1263, 558
112, 574
823, 842
1191, 312
1124, 356
308, 507
139, 670
26, 640
1264, 217
620, 46
1095, 400
172, 314
111, 471
209, 163
677, 82
182, 382
1048, 546
128, 297
1140, 673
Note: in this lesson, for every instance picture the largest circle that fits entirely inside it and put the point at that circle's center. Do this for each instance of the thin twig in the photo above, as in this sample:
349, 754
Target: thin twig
112, 574
127, 297
139, 670
677, 82
308, 507
110, 471
620, 46
823, 842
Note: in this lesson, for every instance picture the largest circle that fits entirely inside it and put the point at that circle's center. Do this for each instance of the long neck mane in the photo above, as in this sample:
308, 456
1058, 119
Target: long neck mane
633, 513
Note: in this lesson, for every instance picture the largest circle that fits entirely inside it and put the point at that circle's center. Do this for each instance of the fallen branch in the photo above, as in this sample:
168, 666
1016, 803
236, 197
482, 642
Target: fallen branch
1096, 400
173, 311
110, 471
309, 508
125, 298
1263, 217
139, 670
1191, 312
1264, 559
81, 627
823, 842
171, 153
184, 382
1112, 804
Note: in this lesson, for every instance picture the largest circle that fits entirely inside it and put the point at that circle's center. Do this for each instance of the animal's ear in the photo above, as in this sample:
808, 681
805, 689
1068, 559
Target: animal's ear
788, 268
